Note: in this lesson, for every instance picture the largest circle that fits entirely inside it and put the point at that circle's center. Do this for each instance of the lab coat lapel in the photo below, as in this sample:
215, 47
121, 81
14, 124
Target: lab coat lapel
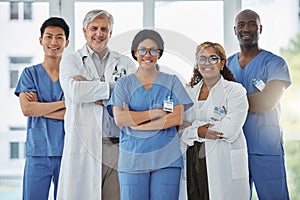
88, 62
196, 92
92, 68
217, 93
111, 66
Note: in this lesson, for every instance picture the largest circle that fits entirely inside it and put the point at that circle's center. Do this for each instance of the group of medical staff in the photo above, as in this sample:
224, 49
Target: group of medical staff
103, 127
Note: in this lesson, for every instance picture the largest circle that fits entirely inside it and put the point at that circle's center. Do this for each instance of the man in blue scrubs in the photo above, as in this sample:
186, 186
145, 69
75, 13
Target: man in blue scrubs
41, 99
265, 77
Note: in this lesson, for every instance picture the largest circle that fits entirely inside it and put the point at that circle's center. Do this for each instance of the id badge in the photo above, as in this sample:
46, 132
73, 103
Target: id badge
218, 114
168, 105
259, 84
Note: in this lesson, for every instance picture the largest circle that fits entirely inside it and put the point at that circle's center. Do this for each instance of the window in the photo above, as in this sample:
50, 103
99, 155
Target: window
14, 150
186, 17
14, 10
20, 9
186, 31
17, 64
27, 10
17, 128
17, 150
298, 10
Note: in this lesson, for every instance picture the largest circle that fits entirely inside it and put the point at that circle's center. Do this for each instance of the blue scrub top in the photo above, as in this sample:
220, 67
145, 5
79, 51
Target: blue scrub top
262, 130
45, 136
149, 150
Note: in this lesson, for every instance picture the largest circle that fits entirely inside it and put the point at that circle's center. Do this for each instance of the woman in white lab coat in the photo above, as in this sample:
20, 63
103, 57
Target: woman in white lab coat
216, 155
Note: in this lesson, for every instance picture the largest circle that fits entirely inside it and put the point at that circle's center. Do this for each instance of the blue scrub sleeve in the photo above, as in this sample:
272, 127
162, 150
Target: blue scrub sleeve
118, 96
181, 94
25, 83
278, 70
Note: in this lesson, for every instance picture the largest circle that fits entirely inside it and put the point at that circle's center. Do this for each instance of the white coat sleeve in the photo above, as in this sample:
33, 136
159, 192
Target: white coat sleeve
190, 134
80, 91
237, 110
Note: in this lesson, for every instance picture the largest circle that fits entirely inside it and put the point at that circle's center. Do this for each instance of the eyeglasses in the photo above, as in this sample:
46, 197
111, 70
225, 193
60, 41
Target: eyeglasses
152, 52
213, 59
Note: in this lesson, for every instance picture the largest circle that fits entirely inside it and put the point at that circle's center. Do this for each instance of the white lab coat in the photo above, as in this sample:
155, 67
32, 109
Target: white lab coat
80, 175
227, 159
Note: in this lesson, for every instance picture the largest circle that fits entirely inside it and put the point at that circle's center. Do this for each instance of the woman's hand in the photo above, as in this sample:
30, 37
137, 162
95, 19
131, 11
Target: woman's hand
206, 133
214, 135
79, 78
184, 125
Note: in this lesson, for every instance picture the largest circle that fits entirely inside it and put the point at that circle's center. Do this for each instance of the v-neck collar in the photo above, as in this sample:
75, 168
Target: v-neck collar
158, 75
44, 70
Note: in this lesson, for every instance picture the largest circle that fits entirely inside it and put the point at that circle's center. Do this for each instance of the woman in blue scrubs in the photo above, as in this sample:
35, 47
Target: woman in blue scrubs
148, 105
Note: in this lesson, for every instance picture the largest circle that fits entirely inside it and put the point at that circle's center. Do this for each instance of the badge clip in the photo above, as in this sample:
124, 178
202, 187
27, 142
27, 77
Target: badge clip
168, 105
259, 84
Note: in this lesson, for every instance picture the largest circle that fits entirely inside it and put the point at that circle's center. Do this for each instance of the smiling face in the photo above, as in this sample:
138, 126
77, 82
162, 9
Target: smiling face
209, 64
247, 28
97, 34
149, 59
54, 41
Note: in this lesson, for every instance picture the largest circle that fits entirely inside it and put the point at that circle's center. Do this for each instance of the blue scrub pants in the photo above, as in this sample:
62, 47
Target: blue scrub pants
38, 174
162, 184
269, 176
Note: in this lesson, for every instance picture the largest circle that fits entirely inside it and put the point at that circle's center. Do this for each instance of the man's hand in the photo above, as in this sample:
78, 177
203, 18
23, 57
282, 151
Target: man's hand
31, 96
99, 102
82, 78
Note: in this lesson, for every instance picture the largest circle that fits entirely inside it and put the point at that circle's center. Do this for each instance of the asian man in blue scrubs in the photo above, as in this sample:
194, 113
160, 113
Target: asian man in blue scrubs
41, 100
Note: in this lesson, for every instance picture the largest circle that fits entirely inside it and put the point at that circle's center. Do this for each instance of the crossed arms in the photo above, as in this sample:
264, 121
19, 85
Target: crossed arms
31, 107
155, 119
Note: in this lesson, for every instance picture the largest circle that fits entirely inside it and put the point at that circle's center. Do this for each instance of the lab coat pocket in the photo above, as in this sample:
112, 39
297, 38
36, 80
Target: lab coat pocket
239, 163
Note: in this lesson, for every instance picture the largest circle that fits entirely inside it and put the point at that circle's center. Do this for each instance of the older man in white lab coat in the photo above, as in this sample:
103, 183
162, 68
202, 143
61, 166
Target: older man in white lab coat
87, 78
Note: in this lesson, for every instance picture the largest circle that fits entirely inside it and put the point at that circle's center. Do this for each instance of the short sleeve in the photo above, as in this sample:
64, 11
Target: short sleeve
181, 94
26, 82
118, 96
278, 70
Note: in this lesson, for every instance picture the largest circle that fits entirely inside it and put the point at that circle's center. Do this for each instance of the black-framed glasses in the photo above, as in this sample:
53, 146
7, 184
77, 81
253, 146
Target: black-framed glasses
152, 52
213, 59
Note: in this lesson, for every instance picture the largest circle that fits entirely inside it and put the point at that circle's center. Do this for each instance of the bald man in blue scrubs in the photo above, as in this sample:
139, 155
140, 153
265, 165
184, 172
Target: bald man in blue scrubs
265, 77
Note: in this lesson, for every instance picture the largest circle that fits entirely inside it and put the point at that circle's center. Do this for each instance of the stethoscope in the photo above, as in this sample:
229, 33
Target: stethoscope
116, 73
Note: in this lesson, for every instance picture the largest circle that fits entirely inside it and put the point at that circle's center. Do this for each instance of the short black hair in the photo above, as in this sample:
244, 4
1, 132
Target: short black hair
147, 34
56, 21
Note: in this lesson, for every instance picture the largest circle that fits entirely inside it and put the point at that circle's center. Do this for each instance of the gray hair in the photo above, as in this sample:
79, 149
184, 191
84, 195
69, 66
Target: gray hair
93, 14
